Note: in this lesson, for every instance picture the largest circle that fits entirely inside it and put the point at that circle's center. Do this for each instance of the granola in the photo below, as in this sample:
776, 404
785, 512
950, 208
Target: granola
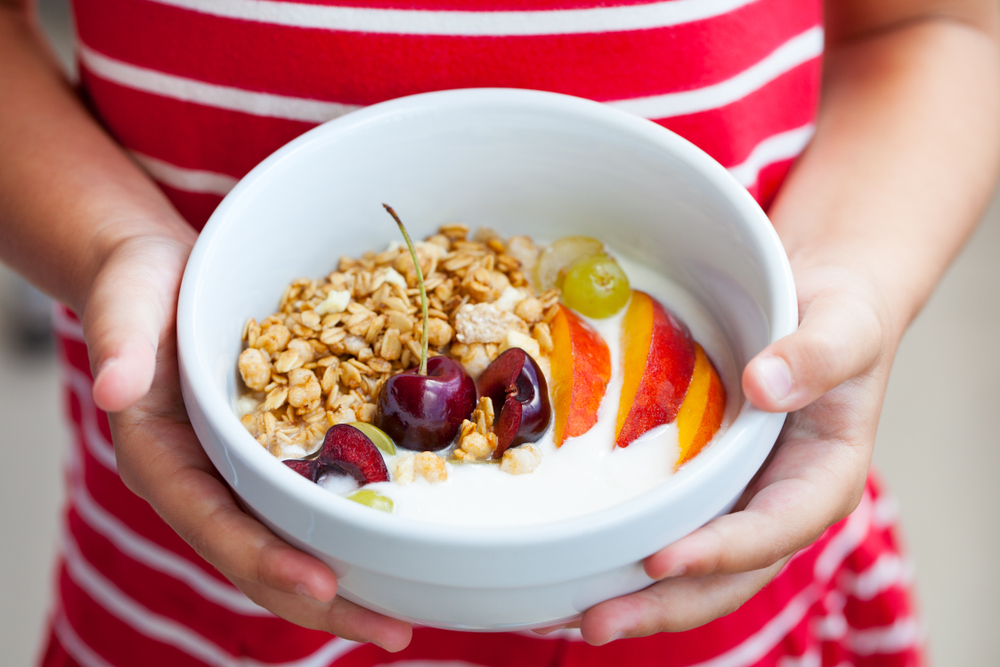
322, 358
476, 440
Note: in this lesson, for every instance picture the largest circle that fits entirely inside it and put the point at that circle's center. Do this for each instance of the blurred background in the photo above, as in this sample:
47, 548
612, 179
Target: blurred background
937, 448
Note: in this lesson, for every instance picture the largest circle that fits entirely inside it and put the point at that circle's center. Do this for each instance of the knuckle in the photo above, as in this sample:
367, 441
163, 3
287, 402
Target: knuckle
824, 358
265, 571
209, 537
130, 480
716, 559
128, 474
851, 500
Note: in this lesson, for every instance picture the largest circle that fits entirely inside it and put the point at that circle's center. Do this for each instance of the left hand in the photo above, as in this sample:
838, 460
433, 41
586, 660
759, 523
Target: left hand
831, 375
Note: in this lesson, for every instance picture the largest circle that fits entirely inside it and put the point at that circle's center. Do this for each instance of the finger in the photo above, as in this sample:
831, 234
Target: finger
349, 620
239, 546
808, 486
339, 616
288, 582
129, 308
555, 628
840, 336
167, 467
674, 605
125, 365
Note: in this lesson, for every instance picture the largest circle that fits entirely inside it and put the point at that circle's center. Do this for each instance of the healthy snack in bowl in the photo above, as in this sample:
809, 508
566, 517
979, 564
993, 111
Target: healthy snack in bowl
482, 381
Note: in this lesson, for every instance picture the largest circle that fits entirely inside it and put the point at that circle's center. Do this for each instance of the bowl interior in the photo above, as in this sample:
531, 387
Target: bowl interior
516, 161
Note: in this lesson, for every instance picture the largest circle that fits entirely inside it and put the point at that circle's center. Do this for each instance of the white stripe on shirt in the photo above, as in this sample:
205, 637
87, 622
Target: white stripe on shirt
906, 633
887, 572
155, 557
462, 23
81, 386
776, 148
796, 51
846, 542
75, 646
188, 180
841, 545
210, 94
759, 644
168, 631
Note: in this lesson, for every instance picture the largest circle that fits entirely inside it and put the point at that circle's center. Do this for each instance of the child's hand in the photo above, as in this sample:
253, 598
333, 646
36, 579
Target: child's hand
904, 157
129, 327
833, 371
83, 222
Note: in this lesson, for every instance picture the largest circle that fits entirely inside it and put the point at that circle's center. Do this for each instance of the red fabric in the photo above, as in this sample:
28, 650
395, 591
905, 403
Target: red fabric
352, 68
131, 592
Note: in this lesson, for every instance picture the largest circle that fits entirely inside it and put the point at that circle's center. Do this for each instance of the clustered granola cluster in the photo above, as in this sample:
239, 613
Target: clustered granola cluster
323, 357
477, 442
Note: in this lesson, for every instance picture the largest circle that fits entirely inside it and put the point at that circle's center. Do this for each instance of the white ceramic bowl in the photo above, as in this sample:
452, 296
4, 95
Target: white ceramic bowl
521, 162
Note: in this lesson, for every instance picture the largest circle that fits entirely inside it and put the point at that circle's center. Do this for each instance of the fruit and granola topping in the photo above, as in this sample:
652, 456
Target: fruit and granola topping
581, 370
385, 380
424, 412
515, 383
323, 358
346, 451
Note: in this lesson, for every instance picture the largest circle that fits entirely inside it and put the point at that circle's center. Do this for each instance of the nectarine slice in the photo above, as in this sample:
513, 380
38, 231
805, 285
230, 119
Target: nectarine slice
581, 370
700, 415
659, 359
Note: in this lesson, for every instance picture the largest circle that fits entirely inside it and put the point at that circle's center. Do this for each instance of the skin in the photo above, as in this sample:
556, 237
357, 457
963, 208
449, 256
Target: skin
904, 158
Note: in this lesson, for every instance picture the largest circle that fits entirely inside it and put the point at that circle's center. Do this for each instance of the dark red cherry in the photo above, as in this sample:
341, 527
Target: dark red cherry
345, 451
314, 469
520, 396
350, 450
308, 468
424, 412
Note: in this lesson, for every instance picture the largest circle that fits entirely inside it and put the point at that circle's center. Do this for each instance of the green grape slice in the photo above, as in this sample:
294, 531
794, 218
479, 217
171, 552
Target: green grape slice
372, 499
596, 287
559, 256
378, 437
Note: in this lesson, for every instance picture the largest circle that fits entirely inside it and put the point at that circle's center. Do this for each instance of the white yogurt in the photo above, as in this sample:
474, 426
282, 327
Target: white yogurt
588, 473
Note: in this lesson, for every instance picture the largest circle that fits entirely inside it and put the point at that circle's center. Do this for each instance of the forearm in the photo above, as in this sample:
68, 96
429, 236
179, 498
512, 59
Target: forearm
904, 158
68, 194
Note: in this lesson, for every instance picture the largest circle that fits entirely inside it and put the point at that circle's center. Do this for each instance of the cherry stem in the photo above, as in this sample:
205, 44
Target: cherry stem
420, 282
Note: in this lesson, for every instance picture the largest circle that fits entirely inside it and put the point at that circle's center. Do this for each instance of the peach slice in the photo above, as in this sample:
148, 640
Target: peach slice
581, 370
658, 359
700, 415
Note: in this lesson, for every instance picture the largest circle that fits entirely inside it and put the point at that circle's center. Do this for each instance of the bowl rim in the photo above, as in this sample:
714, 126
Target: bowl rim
217, 410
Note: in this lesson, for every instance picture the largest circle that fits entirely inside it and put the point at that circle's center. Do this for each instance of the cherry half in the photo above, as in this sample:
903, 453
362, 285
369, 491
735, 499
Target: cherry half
346, 451
520, 396
425, 412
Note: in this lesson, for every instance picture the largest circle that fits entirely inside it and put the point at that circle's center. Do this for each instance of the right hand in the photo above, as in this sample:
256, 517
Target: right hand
129, 325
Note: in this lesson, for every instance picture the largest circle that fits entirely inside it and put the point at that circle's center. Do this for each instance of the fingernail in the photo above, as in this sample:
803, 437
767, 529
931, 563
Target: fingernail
105, 365
302, 590
618, 635
776, 376
677, 571
546, 631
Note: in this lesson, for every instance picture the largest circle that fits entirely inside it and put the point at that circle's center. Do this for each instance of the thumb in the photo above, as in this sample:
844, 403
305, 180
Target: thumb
840, 336
129, 311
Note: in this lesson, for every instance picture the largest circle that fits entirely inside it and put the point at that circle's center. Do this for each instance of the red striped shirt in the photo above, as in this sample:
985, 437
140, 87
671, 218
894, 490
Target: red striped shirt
201, 90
